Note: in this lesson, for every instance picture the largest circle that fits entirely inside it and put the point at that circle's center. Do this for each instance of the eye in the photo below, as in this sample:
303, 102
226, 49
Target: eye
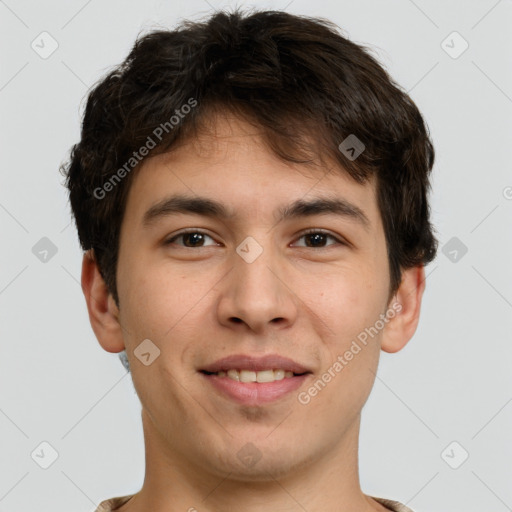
195, 238
318, 237
191, 239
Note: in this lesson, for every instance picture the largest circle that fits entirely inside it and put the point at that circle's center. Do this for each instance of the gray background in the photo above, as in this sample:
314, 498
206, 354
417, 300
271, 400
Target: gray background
451, 383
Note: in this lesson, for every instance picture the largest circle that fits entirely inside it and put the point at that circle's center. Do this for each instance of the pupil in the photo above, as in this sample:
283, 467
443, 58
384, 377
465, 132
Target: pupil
317, 237
196, 236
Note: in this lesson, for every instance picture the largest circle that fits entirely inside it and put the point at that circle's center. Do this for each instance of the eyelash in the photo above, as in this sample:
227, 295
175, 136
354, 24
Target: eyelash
305, 233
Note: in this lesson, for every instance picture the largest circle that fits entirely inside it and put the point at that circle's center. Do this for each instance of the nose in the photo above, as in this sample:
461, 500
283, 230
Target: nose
255, 294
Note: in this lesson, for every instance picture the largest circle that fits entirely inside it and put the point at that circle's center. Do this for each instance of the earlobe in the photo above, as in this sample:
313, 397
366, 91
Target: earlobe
403, 324
103, 311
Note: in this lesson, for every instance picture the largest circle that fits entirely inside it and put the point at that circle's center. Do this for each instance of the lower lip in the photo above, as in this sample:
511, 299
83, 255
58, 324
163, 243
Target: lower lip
254, 393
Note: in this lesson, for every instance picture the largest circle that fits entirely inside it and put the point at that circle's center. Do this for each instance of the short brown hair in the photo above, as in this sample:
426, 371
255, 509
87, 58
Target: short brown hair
296, 77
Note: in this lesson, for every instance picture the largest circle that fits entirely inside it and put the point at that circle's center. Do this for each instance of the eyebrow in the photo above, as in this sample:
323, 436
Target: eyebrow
177, 204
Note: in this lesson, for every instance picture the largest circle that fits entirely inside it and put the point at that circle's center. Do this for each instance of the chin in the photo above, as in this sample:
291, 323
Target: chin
250, 464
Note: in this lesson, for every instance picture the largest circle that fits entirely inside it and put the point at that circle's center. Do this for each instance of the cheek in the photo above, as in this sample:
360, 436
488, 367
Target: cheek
164, 305
349, 307
346, 304
142, 313
160, 306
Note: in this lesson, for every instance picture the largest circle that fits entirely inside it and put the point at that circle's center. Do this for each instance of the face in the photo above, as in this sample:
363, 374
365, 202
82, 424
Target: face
304, 286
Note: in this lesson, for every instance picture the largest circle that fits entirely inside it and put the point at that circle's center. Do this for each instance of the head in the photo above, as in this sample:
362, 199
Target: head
243, 120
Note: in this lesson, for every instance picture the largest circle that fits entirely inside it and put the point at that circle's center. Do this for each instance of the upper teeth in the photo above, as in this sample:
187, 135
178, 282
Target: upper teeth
252, 376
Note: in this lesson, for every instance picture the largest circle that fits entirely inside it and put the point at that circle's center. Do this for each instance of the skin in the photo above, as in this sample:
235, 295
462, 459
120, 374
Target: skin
201, 302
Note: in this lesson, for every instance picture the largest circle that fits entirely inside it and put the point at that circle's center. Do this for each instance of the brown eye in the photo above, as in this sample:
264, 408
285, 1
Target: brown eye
190, 239
317, 239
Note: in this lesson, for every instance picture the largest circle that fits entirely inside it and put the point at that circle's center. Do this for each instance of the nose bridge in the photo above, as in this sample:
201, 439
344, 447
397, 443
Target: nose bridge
255, 292
252, 265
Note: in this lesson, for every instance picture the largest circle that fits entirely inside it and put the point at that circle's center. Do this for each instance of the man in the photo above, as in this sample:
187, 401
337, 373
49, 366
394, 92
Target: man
251, 193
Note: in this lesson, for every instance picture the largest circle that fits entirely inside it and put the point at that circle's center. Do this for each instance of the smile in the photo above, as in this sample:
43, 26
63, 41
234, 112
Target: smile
254, 388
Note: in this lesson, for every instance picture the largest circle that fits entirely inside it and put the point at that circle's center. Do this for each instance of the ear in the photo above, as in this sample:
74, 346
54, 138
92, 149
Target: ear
406, 304
103, 311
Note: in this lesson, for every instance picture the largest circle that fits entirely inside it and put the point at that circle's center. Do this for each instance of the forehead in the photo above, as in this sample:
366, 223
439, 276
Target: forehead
229, 162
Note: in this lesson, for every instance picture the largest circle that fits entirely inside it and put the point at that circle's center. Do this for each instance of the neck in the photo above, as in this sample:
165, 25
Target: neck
174, 482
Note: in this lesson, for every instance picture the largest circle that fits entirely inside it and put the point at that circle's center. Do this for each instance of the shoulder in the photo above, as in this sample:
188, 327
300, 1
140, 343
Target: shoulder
113, 503
393, 505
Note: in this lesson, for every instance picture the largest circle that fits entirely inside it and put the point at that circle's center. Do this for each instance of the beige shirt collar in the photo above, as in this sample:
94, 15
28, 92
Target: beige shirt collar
112, 504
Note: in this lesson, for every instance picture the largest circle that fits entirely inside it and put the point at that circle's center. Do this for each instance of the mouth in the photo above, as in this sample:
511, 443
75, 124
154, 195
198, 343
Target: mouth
254, 381
253, 392
269, 375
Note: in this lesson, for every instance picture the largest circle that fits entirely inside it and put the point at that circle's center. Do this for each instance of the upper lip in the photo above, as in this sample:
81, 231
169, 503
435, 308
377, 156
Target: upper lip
248, 362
